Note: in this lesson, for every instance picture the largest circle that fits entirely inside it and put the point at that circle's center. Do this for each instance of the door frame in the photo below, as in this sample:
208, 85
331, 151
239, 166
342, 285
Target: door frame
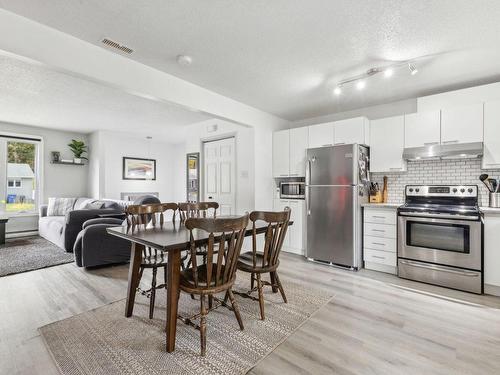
221, 137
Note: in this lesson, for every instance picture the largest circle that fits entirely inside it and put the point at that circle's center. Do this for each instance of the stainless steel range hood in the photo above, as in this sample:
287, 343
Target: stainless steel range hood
446, 151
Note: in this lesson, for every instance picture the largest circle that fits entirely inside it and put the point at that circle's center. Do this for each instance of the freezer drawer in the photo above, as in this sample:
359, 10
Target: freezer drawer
450, 277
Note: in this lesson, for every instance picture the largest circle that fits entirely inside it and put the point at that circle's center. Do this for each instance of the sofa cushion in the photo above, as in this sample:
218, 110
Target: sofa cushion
82, 202
60, 206
52, 229
94, 205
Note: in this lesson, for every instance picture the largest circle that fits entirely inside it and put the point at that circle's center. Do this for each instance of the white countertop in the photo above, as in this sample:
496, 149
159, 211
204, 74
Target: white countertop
381, 205
490, 210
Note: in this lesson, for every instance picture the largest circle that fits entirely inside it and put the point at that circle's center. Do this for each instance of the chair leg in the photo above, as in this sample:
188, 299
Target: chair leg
165, 275
210, 301
236, 309
252, 280
153, 294
273, 282
280, 287
261, 296
203, 326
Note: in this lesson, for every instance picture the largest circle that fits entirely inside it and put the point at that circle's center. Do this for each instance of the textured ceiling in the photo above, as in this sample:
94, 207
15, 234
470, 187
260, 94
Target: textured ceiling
39, 96
283, 56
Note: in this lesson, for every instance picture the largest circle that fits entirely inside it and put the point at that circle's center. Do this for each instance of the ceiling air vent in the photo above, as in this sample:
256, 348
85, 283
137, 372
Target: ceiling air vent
118, 46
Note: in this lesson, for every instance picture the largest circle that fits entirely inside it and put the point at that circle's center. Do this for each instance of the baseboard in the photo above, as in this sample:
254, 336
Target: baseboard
21, 234
494, 290
380, 267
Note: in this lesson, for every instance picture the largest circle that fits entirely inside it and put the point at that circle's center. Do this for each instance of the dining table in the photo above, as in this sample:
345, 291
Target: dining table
172, 237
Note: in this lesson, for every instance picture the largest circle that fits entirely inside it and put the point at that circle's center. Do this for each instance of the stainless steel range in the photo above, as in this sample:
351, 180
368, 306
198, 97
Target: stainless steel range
440, 237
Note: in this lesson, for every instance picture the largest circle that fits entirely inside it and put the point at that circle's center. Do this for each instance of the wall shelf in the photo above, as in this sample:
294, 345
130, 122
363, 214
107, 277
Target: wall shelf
66, 163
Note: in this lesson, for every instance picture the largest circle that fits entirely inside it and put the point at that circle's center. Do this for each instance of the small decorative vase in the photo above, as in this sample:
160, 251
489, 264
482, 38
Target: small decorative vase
77, 161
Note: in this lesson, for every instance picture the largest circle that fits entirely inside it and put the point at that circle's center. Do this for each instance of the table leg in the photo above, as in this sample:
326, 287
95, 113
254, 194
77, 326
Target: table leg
133, 276
2, 232
174, 266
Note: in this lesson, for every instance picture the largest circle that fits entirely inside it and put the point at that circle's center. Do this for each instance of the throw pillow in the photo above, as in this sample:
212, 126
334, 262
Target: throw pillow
60, 206
94, 205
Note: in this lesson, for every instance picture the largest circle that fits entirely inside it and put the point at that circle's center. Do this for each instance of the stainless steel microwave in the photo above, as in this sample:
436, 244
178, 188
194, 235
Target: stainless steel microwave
292, 190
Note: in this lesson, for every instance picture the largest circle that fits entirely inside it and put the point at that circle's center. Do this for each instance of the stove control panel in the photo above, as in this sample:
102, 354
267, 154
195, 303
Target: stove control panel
441, 190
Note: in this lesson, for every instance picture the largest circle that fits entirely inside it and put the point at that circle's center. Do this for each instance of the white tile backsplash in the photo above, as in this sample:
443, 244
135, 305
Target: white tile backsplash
435, 172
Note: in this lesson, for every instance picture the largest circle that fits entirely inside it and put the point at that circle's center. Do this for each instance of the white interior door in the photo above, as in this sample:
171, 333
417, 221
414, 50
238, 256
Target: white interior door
220, 174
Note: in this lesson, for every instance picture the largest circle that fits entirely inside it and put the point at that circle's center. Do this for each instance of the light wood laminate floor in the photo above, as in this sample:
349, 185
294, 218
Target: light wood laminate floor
374, 324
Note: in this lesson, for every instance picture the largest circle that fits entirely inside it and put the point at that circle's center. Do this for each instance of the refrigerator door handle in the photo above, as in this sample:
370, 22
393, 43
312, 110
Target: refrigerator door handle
308, 211
308, 180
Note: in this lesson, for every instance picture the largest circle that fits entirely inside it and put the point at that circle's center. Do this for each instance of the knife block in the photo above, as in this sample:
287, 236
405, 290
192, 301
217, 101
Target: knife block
377, 198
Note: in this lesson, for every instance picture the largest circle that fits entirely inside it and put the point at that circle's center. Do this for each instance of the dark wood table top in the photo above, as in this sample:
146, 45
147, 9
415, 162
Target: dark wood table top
172, 235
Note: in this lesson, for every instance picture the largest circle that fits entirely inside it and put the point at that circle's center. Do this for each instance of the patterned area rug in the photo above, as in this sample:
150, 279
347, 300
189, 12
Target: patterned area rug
103, 341
30, 253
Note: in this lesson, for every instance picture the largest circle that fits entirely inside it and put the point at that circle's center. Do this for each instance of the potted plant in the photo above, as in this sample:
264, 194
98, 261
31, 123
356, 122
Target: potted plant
78, 148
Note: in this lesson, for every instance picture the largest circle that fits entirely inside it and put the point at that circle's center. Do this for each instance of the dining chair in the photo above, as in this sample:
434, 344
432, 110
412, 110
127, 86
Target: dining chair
217, 272
266, 261
197, 209
138, 217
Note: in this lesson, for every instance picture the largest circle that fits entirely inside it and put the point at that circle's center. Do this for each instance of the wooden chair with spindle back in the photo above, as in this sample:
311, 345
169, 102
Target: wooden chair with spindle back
138, 218
198, 209
217, 273
267, 261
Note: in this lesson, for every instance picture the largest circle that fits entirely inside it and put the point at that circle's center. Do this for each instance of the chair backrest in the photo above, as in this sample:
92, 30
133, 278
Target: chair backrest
274, 235
143, 214
222, 251
200, 209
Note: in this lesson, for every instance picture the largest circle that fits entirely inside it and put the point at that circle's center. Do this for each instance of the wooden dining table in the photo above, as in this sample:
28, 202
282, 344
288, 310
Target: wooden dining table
171, 238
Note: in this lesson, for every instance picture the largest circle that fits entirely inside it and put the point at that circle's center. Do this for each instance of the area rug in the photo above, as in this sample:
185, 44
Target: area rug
30, 253
103, 341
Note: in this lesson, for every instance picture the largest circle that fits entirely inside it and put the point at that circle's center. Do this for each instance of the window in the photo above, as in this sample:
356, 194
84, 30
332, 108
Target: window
19, 174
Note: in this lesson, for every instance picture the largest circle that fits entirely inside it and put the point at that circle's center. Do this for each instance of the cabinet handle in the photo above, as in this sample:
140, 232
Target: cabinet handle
294, 174
340, 143
378, 257
328, 144
378, 243
378, 217
455, 141
430, 143
492, 164
284, 175
378, 230
395, 169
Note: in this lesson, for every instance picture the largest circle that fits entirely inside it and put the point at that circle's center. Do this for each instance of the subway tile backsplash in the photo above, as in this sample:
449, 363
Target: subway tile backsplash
435, 172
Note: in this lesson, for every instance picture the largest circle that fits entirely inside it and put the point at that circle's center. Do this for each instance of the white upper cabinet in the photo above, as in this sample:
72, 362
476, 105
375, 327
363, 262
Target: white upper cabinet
387, 138
462, 124
491, 157
321, 135
354, 130
422, 129
281, 153
298, 146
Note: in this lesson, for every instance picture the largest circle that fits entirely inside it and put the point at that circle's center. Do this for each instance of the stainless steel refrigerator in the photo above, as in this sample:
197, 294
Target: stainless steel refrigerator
336, 186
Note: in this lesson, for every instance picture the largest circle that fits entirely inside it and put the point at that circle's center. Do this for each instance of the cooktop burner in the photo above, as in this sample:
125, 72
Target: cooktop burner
441, 199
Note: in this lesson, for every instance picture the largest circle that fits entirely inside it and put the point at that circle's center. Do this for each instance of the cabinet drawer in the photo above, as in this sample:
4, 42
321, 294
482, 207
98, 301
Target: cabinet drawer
380, 216
381, 257
380, 230
380, 243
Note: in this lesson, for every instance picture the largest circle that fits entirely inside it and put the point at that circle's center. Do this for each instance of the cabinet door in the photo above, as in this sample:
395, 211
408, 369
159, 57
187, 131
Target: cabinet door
386, 145
462, 124
491, 253
279, 205
349, 131
295, 231
422, 129
298, 147
321, 135
281, 153
491, 157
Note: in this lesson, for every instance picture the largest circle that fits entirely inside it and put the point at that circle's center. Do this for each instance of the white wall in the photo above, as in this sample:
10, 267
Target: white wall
374, 112
57, 180
245, 160
472, 95
108, 150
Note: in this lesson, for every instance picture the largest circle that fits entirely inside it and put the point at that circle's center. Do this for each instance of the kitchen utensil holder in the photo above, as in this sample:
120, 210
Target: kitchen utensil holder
495, 200
377, 198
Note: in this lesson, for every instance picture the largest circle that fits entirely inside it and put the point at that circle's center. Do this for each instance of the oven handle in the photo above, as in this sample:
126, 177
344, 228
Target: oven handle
438, 268
439, 216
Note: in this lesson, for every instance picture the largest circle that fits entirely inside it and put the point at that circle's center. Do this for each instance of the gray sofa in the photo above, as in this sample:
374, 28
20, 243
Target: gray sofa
63, 230
95, 247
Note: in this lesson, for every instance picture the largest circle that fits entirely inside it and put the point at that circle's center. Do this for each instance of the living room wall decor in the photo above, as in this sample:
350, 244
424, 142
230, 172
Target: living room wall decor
139, 169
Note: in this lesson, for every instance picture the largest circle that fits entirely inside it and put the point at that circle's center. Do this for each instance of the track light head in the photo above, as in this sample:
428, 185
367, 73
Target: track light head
413, 69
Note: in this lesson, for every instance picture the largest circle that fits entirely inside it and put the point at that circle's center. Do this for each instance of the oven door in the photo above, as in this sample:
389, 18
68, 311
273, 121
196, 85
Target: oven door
450, 242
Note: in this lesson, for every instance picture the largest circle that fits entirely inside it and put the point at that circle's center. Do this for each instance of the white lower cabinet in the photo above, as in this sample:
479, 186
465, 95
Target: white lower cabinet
294, 240
379, 239
492, 253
